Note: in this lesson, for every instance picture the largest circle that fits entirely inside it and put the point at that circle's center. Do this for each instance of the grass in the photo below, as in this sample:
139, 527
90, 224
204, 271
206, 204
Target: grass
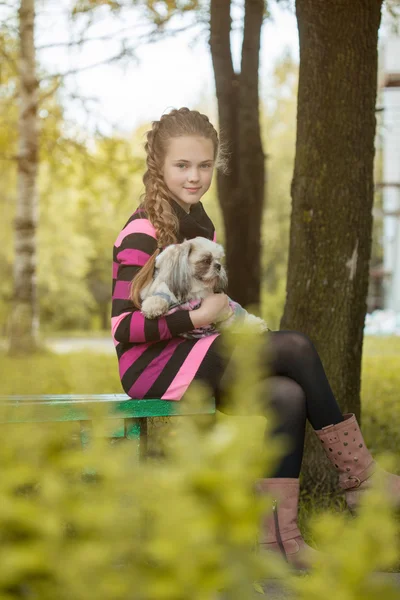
78, 334
74, 373
381, 346
380, 394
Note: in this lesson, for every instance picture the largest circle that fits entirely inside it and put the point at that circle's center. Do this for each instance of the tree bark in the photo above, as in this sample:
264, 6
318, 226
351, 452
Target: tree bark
332, 194
241, 192
24, 318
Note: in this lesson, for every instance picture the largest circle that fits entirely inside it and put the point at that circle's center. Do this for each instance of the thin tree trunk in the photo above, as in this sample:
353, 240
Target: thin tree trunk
241, 192
24, 320
332, 193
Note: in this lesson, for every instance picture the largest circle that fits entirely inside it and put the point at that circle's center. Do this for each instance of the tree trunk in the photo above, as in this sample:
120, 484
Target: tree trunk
24, 319
241, 192
332, 194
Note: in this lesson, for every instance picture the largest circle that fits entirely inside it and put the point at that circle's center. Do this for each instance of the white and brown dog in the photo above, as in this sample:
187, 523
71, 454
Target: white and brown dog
190, 271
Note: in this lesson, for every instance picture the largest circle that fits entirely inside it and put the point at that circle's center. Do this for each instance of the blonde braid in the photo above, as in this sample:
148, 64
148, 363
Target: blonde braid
156, 203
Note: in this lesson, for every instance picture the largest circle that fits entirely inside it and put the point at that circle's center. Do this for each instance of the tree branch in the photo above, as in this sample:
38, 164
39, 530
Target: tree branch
151, 38
83, 40
49, 93
122, 54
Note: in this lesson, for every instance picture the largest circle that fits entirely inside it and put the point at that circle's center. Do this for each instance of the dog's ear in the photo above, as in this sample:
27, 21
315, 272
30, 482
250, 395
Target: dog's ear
179, 275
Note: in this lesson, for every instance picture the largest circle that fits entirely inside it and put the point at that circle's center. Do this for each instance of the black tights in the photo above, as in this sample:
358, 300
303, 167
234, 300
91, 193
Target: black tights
298, 390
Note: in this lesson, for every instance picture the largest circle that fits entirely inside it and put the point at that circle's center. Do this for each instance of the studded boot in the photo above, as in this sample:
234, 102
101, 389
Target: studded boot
279, 532
345, 447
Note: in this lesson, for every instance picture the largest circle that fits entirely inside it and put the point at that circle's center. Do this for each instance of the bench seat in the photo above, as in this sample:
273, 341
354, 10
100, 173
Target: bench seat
80, 407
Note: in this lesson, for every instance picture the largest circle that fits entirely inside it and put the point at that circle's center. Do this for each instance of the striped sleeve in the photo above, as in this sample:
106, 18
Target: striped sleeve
133, 248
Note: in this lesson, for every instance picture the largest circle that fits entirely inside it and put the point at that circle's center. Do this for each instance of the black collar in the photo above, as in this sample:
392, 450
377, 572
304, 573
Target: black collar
193, 224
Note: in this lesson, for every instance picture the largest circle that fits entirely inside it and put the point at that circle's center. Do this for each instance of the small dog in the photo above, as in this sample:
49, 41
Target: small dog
187, 273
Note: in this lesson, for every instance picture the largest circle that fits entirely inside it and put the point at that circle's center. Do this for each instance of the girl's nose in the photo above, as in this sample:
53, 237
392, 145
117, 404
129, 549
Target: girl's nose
193, 175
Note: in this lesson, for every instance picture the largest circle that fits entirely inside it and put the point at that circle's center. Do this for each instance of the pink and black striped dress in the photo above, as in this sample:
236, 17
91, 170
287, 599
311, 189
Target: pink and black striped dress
154, 362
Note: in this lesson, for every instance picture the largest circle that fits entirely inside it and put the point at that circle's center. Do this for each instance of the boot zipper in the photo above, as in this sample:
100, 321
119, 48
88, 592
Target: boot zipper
277, 531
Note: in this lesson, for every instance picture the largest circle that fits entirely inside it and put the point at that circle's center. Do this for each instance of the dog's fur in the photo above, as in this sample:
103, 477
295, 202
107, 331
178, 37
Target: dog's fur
188, 271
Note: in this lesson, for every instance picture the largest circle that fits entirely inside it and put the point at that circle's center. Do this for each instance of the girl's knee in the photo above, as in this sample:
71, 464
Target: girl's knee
297, 342
287, 395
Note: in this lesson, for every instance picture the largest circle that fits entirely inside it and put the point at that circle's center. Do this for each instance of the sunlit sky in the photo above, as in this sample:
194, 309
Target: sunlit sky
171, 73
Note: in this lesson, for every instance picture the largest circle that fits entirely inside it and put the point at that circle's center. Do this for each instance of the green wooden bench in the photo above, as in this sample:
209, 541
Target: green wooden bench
73, 407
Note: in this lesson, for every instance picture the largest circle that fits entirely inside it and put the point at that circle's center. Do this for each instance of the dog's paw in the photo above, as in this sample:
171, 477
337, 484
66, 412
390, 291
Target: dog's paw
154, 306
257, 322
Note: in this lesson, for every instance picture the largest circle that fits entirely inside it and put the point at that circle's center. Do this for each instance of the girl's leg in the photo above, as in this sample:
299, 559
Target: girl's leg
295, 372
297, 389
293, 355
287, 400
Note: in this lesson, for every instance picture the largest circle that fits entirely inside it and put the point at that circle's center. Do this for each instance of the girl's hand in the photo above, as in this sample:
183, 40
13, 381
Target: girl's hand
214, 308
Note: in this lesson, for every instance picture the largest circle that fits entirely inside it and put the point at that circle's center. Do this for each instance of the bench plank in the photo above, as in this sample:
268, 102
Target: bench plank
80, 407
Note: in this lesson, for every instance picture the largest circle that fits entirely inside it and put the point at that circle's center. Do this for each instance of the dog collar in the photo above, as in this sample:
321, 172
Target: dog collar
166, 297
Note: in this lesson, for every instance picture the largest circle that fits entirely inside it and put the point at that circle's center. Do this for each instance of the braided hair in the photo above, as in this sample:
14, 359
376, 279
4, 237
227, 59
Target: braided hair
156, 199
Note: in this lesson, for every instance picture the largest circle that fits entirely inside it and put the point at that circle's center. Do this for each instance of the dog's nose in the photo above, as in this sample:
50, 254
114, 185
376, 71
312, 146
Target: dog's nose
218, 266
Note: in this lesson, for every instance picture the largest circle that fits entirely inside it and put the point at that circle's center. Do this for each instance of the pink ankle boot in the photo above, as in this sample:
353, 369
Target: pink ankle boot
279, 531
345, 447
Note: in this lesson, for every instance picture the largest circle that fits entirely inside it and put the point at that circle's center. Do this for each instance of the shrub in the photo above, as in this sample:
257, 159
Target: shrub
76, 525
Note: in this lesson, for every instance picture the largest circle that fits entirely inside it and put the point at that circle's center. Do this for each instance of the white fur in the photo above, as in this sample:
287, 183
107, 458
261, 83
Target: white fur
175, 279
175, 276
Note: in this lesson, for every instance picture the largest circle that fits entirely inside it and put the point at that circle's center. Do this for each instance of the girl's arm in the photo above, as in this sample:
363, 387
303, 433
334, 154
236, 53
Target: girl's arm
128, 323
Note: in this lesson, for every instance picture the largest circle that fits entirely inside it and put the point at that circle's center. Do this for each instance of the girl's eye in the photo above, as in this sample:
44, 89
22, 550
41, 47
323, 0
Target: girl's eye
183, 166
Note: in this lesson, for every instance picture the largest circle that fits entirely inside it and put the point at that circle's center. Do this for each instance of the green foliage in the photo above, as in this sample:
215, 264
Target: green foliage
85, 198
63, 263
279, 131
75, 373
175, 529
272, 302
8, 149
353, 551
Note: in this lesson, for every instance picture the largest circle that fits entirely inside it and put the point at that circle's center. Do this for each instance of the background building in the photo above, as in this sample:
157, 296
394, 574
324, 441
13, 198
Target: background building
390, 137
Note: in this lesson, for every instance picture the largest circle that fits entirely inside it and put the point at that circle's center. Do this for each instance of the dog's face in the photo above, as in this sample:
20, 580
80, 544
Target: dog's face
192, 268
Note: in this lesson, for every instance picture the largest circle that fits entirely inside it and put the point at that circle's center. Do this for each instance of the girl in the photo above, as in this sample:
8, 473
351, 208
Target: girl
155, 362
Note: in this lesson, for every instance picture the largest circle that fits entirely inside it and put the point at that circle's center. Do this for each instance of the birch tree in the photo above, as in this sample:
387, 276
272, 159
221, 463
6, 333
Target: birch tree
23, 323
24, 319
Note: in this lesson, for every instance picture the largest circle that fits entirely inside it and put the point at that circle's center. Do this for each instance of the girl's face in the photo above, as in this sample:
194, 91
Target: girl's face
188, 169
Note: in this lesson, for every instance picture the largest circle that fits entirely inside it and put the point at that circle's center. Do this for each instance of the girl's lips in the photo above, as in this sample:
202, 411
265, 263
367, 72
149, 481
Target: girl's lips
192, 189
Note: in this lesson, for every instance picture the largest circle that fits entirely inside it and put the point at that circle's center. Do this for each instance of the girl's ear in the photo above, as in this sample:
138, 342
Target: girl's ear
178, 276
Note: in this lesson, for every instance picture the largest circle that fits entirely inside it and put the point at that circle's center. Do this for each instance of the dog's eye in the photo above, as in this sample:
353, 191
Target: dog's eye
207, 261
